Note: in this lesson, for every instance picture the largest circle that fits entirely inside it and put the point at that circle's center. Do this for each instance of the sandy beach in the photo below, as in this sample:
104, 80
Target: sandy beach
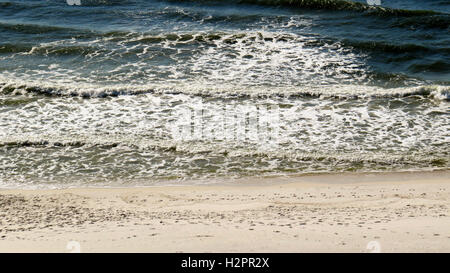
385, 212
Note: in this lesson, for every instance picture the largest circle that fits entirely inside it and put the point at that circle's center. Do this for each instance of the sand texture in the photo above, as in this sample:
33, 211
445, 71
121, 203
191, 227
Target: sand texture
400, 212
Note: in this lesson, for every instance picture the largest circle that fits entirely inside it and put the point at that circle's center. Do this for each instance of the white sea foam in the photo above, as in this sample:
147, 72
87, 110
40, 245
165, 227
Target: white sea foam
131, 138
253, 103
249, 58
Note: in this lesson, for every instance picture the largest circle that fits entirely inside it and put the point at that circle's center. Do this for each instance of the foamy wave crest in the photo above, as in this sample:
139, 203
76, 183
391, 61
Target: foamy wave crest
137, 138
207, 149
223, 90
48, 161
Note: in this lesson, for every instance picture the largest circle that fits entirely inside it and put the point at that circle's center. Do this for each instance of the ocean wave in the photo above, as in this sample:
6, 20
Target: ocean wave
16, 48
37, 28
63, 50
334, 5
49, 50
216, 149
105, 43
84, 3
85, 91
389, 47
80, 162
53, 143
17, 6
441, 92
135, 38
428, 22
440, 66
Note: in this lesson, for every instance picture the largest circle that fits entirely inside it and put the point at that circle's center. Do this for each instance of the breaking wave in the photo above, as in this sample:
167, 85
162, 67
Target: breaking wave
224, 91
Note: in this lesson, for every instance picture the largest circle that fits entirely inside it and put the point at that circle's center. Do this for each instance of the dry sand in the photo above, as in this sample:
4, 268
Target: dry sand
392, 212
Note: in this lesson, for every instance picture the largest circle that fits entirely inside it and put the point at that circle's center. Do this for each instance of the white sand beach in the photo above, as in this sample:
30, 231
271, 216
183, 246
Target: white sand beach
385, 212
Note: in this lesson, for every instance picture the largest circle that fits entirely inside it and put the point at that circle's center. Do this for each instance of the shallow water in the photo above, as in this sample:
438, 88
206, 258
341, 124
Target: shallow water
140, 91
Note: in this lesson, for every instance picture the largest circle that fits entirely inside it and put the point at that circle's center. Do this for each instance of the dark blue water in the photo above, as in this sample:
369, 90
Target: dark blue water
90, 94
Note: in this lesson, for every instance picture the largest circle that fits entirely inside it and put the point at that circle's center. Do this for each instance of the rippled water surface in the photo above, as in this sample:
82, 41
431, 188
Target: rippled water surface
138, 92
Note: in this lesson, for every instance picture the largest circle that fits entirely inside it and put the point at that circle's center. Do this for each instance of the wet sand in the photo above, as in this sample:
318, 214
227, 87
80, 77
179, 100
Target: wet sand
390, 212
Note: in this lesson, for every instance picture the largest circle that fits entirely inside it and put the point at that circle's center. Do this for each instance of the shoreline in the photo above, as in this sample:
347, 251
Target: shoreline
401, 212
311, 178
